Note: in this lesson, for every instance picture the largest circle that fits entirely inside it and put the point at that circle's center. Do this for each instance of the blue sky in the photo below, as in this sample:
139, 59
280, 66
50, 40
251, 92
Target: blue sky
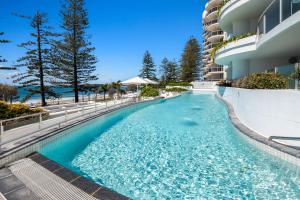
121, 31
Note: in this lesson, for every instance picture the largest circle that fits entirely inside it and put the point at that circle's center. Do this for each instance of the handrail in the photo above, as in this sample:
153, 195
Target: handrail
215, 33
24, 116
2, 122
211, 46
214, 9
283, 138
264, 12
215, 69
40, 125
214, 21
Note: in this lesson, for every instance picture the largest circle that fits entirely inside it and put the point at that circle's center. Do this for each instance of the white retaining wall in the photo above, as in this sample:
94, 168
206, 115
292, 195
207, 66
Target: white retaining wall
267, 112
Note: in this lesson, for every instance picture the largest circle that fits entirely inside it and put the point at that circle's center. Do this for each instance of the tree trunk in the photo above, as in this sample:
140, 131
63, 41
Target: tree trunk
40, 63
76, 90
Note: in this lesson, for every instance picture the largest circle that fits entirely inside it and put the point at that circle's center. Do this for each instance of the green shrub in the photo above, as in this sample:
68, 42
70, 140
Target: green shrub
224, 83
182, 84
176, 90
8, 111
149, 92
262, 81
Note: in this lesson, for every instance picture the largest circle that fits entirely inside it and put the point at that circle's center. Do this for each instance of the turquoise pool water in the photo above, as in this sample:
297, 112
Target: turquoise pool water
182, 148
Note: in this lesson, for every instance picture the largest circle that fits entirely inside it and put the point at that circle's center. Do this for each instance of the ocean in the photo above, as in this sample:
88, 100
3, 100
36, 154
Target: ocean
64, 92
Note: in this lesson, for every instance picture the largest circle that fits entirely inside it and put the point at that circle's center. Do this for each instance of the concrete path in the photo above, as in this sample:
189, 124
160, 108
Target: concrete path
75, 114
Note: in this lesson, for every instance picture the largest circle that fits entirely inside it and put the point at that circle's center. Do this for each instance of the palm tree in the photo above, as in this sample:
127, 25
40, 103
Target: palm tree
104, 88
122, 92
117, 86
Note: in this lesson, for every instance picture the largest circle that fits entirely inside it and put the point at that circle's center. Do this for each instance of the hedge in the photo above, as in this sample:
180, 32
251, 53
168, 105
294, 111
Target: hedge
149, 92
8, 111
182, 84
224, 83
262, 81
176, 90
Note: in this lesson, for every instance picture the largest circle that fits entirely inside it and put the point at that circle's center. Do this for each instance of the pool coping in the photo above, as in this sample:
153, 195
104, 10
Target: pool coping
81, 182
14, 154
256, 136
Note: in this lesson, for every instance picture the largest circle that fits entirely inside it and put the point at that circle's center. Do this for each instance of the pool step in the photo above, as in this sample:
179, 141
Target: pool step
50, 180
12, 188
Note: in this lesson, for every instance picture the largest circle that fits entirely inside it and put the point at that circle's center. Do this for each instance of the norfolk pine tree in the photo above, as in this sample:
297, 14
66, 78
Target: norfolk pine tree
148, 69
191, 61
74, 61
2, 41
37, 59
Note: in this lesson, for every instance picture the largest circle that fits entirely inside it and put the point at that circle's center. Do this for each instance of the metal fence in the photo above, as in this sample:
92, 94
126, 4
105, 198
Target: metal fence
21, 127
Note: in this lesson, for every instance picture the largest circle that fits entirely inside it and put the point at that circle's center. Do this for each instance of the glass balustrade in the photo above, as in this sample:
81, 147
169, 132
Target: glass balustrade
272, 16
277, 12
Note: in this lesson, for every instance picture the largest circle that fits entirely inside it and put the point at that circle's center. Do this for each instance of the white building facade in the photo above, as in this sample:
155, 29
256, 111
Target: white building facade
212, 35
269, 32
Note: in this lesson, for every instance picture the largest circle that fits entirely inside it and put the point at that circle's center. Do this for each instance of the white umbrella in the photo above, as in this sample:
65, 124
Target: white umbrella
135, 81
151, 81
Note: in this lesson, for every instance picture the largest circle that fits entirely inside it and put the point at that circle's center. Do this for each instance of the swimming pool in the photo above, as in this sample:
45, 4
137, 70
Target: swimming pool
182, 148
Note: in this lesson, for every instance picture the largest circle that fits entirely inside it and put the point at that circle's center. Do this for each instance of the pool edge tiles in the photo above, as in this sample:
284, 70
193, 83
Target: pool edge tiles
281, 151
89, 187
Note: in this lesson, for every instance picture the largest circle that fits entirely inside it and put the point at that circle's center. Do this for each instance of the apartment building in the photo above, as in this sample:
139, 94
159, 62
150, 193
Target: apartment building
264, 35
212, 35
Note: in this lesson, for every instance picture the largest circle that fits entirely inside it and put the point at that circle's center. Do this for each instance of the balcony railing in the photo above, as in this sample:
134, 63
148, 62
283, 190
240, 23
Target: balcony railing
215, 33
211, 22
214, 69
213, 10
210, 46
275, 13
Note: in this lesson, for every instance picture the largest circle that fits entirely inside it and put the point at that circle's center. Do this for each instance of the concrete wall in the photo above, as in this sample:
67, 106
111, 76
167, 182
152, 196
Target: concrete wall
240, 68
267, 112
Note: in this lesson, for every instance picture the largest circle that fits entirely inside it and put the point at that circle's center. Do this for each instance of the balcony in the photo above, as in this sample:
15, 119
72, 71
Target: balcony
278, 29
241, 11
236, 50
208, 48
215, 36
277, 36
212, 25
212, 14
276, 13
214, 76
215, 70
212, 3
